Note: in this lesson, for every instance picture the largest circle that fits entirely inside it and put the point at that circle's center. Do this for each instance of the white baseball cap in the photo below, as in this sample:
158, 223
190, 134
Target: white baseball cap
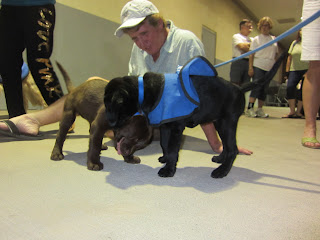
133, 13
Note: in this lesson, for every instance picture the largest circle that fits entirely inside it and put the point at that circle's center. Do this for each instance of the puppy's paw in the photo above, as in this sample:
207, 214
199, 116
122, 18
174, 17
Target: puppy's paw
218, 159
220, 172
162, 159
166, 172
104, 146
56, 156
95, 166
132, 159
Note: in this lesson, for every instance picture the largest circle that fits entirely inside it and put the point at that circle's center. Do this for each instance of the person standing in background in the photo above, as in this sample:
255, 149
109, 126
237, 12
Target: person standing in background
240, 45
295, 70
259, 64
29, 25
311, 85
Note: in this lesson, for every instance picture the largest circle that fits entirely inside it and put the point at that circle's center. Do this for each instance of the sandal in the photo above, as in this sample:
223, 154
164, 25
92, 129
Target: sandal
294, 115
290, 116
310, 140
14, 132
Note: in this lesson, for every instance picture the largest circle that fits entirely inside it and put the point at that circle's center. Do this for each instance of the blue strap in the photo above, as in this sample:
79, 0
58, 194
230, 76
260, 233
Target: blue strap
283, 35
141, 90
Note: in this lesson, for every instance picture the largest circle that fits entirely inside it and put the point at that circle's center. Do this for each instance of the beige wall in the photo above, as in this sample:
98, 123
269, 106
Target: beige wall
221, 16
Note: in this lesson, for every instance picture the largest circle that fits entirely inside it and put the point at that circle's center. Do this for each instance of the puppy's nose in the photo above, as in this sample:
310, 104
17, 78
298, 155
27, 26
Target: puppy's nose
112, 124
111, 119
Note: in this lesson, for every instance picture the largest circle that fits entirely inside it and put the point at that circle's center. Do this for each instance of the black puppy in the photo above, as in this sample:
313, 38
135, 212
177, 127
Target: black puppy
209, 99
87, 101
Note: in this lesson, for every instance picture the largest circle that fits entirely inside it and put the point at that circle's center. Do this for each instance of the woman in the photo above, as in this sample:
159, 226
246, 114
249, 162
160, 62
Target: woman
27, 25
259, 64
311, 86
295, 69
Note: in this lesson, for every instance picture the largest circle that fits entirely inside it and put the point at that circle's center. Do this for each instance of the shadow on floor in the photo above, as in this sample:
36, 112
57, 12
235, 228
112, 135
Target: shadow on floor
123, 176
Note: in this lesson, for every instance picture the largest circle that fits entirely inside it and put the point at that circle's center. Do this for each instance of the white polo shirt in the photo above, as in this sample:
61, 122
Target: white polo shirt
180, 46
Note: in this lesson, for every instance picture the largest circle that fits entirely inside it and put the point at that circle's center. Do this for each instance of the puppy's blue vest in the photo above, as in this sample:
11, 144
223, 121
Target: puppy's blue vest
178, 98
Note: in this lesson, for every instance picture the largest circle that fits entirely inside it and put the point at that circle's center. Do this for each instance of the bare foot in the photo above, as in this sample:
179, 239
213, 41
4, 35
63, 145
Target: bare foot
25, 124
311, 144
218, 148
245, 151
310, 132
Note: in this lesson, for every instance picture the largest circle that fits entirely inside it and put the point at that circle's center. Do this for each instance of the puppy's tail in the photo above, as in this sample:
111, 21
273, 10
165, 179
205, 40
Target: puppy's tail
66, 77
31, 93
266, 79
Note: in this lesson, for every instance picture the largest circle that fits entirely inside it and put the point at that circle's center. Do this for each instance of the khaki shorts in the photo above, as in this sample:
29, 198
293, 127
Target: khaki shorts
311, 32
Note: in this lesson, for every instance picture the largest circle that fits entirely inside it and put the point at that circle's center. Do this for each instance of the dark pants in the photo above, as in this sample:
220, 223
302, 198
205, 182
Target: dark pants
239, 72
261, 91
293, 80
29, 28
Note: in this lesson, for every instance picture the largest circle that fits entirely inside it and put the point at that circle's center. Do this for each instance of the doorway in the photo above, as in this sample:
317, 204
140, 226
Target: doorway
209, 41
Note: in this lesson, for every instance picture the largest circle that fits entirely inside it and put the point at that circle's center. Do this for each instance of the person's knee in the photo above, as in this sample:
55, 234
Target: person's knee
313, 73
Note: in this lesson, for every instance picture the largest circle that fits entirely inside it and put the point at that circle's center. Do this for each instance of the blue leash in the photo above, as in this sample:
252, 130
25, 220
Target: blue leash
283, 35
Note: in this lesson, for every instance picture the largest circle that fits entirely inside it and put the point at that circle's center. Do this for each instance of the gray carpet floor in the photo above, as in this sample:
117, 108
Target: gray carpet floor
273, 194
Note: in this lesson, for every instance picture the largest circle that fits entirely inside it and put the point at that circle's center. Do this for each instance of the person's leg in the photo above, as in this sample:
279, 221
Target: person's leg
11, 48
250, 110
311, 84
292, 83
239, 72
260, 112
31, 122
261, 92
252, 98
258, 75
212, 137
235, 69
39, 29
311, 101
299, 94
299, 109
292, 107
260, 103
214, 141
245, 76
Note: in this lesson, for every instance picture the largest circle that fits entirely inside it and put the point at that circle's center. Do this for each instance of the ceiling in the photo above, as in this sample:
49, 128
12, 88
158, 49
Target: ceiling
284, 13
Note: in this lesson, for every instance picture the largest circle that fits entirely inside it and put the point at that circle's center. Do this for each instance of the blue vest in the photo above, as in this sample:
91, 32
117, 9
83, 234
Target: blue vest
178, 98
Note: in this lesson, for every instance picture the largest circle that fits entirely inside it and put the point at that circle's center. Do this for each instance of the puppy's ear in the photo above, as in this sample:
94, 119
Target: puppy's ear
116, 107
113, 108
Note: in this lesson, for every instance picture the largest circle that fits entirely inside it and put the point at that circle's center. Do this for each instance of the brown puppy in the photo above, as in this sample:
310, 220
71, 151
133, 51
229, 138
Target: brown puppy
87, 101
